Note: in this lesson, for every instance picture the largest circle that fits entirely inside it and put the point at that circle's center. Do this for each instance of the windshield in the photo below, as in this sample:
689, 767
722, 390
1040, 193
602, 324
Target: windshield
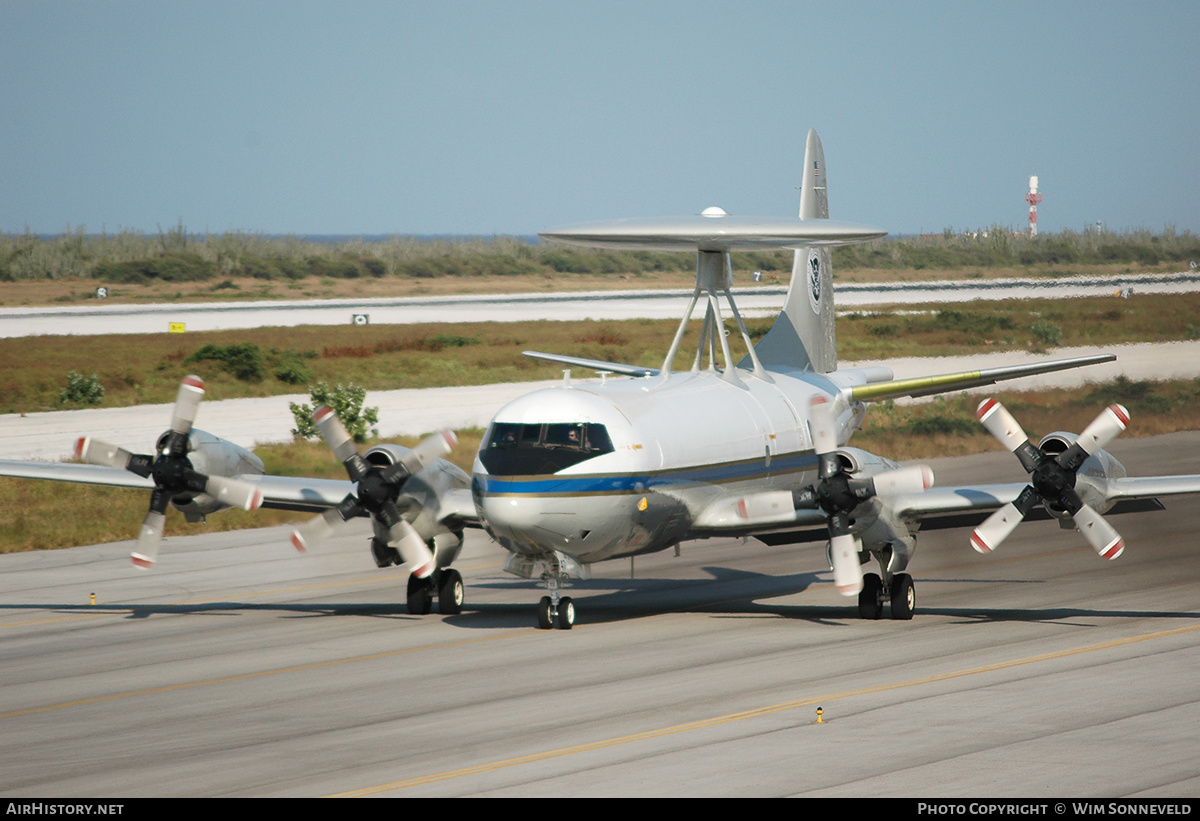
527, 450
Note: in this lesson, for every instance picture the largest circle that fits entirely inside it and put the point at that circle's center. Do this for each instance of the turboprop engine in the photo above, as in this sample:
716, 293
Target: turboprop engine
1068, 478
213, 456
422, 495
189, 469
878, 529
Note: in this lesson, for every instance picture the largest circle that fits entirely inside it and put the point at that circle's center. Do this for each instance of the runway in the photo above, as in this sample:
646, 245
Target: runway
757, 301
238, 668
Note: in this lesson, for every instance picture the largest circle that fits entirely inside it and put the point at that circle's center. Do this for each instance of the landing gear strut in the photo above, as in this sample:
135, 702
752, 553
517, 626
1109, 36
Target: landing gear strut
556, 610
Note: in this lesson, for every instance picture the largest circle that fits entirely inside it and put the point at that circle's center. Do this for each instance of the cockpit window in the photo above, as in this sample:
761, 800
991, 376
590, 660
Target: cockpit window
529, 450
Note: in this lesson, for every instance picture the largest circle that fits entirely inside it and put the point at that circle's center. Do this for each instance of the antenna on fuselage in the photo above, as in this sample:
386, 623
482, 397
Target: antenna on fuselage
714, 273
803, 335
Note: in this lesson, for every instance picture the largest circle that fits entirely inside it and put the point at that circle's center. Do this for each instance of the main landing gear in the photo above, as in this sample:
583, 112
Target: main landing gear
446, 584
900, 593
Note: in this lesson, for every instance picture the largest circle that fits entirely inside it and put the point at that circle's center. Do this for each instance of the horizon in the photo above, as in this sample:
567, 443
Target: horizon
470, 118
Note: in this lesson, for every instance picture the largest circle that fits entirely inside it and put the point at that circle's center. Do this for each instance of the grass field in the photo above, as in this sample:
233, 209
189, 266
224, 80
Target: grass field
140, 369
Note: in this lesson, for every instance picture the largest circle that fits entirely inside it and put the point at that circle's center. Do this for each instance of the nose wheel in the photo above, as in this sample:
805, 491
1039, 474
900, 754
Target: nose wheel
560, 615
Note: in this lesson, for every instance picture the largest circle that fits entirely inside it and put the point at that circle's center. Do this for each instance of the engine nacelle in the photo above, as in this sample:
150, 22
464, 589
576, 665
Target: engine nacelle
420, 503
212, 456
1091, 481
883, 534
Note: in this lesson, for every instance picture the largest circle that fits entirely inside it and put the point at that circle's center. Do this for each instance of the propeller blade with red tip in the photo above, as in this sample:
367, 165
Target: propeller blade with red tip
316, 530
430, 448
335, 434
1001, 424
412, 548
1104, 428
844, 550
1052, 479
95, 452
149, 538
988, 536
1099, 533
233, 493
187, 402
903, 480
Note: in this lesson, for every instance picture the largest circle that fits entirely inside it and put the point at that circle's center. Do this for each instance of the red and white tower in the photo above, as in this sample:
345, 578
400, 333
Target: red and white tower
1033, 198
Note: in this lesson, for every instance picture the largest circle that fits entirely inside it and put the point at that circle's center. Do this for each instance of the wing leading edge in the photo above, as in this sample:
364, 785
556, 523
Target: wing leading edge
944, 383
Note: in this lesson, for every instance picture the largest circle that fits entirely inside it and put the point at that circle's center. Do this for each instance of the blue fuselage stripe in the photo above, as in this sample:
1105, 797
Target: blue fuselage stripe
583, 484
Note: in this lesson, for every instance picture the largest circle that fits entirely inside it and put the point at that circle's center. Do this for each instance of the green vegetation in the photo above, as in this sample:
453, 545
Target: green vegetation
1000, 247
1045, 334
273, 361
179, 256
243, 359
81, 390
347, 403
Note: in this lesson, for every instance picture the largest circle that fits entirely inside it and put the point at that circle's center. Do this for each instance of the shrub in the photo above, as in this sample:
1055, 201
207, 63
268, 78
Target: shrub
292, 371
346, 401
81, 390
1046, 334
167, 268
244, 360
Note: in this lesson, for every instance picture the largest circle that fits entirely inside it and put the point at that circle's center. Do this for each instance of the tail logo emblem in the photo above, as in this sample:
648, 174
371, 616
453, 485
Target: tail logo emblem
814, 280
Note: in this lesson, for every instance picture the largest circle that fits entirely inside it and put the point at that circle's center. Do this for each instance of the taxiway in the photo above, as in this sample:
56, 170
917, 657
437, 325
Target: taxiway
239, 668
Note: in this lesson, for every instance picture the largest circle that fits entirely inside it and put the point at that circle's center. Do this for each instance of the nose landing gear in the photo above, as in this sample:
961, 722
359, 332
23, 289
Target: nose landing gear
560, 614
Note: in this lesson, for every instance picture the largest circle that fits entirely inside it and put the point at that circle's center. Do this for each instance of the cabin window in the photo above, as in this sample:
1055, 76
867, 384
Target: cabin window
529, 450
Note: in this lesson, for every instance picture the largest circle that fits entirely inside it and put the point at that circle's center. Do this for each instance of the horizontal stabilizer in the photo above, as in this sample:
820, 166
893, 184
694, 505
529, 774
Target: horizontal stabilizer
592, 364
944, 383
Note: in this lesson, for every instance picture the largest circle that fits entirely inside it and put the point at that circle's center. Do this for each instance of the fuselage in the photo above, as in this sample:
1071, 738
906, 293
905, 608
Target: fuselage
603, 470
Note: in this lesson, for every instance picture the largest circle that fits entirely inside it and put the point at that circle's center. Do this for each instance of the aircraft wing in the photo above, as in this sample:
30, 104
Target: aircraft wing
284, 492
71, 472
592, 364
953, 506
300, 493
943, 383
279, 492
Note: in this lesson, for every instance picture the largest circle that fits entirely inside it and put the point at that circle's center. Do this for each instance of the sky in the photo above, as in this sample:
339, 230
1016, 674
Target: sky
439, 117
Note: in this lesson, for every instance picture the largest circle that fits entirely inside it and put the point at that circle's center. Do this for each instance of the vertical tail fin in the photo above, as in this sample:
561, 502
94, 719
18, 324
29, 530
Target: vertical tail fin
804, 335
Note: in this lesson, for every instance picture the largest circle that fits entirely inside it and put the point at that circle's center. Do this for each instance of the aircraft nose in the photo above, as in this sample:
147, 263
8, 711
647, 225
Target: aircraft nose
511, 512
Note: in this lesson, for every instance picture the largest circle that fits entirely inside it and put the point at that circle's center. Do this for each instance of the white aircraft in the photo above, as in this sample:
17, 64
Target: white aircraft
587, 471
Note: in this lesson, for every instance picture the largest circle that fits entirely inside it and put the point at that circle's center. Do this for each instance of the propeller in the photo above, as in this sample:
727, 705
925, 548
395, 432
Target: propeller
171, 471
1052, 479
377, 488
837, 494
